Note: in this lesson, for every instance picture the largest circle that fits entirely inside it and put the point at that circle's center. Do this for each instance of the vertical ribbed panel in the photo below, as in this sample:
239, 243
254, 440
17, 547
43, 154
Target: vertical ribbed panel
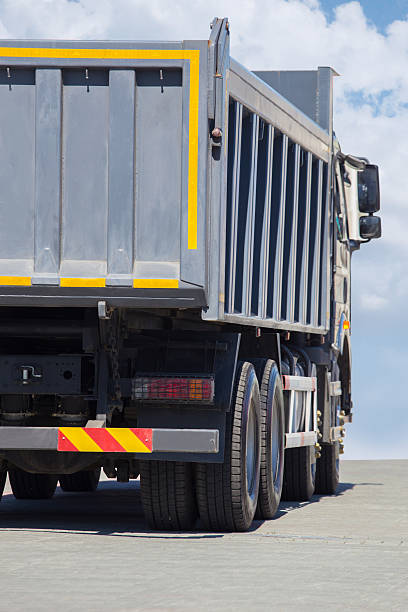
290, 235
314, 243
302, 269
277, 224
47, 175
121, 175
324, 253
246, 159
279, 205
234, 163
17, 169
85, 120
159, 133
263, 222
250, 220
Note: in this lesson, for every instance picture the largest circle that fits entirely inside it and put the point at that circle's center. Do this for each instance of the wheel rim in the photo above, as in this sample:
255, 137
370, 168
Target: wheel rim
251, 450
275, 442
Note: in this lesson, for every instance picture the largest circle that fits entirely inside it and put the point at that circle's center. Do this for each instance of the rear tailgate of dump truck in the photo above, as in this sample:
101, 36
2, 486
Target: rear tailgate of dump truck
103, 152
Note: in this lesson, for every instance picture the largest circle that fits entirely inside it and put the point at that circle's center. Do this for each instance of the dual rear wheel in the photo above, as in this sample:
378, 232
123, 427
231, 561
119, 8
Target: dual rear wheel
31, 486
85, 481
247, 484
256, 473
42, 486
223, 495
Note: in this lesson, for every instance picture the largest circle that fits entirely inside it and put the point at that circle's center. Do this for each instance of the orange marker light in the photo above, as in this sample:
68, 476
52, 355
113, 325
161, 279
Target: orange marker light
346, 324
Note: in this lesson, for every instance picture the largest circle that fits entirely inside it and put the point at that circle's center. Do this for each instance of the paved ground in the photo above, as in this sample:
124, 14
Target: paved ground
92, 552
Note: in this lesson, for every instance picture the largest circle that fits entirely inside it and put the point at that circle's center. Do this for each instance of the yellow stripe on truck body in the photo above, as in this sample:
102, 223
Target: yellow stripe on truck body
15, 281
155, 283
191, 55
83, 282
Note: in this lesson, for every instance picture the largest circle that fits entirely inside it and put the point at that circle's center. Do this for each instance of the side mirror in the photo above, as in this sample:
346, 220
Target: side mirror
370, 227
369, 190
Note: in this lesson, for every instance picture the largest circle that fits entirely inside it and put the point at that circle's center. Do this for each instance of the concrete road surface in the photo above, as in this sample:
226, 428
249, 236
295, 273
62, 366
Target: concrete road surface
93, 552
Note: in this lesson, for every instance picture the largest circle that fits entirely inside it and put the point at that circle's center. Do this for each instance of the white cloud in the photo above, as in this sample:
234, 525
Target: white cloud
371, 301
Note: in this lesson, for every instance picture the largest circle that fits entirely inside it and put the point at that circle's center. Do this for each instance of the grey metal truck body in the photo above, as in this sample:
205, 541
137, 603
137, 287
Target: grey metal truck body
166, 216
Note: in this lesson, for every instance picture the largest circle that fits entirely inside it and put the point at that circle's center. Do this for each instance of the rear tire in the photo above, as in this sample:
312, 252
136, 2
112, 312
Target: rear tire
227, 493
328, 469
299, 474
167, 490
85, 481
272, 439
32, 486
3, 476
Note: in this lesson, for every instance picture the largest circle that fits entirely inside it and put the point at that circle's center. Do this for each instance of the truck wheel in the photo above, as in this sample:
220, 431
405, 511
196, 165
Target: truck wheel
328, 469
167, 489
80, 482
227, 493
299, 474
272, 439
3, 476
32, 486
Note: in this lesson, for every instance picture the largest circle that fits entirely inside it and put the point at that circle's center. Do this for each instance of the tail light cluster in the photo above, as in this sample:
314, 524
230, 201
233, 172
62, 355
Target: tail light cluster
177, 389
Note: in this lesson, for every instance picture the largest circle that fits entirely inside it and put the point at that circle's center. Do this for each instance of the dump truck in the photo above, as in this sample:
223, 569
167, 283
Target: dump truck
176, 234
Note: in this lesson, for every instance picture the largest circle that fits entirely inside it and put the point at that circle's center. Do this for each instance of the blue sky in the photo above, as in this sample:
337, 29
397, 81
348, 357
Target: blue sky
379, 335
367, 43
379, 12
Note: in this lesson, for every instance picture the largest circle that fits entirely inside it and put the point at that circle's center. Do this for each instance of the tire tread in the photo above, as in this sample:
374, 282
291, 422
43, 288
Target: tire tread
297, 485
84, 481
32, 486
168, 497
218, 486
327, 476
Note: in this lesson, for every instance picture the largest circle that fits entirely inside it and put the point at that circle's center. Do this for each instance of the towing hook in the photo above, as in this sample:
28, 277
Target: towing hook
28, 373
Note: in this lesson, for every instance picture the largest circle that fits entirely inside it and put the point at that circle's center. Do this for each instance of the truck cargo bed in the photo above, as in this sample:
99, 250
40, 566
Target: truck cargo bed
116, 187
99, 165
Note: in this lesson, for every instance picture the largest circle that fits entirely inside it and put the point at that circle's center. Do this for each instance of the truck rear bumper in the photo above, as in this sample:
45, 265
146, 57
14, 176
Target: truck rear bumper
110, 440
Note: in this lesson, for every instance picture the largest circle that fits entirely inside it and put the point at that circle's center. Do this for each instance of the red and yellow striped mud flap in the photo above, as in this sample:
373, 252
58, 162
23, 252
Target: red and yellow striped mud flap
109, 440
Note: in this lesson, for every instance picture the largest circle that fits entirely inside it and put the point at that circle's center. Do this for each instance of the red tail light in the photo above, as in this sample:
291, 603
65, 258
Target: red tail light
173, 389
